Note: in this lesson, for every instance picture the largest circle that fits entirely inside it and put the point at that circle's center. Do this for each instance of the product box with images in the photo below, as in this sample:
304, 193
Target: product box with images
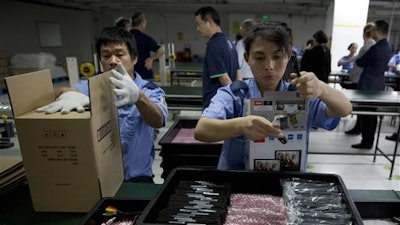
71, 160
290, 112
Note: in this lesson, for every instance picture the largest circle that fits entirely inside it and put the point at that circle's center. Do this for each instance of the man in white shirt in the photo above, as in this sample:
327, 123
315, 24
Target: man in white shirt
246, 26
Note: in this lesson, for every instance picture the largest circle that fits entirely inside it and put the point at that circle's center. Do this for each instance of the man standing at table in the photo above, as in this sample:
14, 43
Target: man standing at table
372, 78
221, 65
145, 45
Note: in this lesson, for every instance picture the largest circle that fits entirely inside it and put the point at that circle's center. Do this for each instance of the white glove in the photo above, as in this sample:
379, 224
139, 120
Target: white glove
398, 68
125, 88
66, 102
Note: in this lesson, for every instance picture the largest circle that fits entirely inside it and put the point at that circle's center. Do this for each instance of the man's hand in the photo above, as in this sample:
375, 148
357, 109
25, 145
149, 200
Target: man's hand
148, 63
125, 88
308, 85
66, 102
256, 127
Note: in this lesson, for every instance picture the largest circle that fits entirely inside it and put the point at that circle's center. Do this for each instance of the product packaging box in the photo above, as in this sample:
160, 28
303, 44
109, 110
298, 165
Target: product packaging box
271, 154
71, 160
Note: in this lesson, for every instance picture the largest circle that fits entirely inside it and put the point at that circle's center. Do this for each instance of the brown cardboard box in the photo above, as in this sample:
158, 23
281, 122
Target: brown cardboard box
71, 160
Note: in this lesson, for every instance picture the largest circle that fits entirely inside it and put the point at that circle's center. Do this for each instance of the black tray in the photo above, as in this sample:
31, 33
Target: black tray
242, 182
96, 217
193, 155
168, 148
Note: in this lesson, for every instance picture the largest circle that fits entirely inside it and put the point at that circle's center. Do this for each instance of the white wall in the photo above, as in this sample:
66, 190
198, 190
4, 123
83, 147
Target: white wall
348, 26
18, 22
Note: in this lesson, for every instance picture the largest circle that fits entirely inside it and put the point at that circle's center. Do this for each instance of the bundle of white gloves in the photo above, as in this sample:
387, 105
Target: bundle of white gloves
125, 89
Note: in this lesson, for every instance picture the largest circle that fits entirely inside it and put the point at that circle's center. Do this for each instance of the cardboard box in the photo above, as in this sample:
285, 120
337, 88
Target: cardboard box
72, 160
270, 154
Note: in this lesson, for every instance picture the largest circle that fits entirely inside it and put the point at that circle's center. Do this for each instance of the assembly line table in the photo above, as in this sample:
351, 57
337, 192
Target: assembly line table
183, 98
379, 103
391, 79
178, 74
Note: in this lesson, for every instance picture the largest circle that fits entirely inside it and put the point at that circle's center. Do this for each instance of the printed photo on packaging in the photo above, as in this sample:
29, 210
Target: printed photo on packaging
289, 159
268, 165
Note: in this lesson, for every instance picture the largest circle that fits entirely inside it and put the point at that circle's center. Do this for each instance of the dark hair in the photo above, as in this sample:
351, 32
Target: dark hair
310, 42
122, 22
351, 45
116, 35
289, 30
321, 37
137, 18
270, 31
208, 13
382, 26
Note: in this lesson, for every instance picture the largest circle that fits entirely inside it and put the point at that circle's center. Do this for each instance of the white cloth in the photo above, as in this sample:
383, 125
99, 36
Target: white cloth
125, 88
66, 102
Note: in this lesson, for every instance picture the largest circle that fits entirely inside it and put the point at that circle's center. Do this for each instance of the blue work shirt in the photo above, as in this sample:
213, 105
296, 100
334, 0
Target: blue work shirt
136, 135
347, 66
395, 60
227, 105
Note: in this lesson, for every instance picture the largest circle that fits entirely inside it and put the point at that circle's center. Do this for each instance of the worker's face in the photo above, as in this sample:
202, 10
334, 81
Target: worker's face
267, 62
202, 26
353, 48
114, 53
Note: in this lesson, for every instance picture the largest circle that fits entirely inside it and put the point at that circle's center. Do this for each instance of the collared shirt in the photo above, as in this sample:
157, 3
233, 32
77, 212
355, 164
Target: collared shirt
136, 135
145, 45
221, 57
227, 105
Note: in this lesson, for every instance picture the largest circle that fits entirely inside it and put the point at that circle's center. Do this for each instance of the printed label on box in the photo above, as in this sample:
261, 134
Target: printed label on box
290, 112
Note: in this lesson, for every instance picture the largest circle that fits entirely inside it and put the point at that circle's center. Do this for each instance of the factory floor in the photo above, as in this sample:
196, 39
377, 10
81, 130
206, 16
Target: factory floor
329, 152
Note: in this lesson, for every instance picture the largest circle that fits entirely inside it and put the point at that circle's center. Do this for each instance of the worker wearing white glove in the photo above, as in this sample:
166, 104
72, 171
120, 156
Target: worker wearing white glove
66, 102
125, 88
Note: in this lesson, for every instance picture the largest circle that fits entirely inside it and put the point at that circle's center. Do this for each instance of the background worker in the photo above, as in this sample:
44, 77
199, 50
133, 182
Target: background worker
355, 73
145, 45
123, 23
246, 26
347, 61
372, 78
394, 63
141, 105
318, 57
221, 65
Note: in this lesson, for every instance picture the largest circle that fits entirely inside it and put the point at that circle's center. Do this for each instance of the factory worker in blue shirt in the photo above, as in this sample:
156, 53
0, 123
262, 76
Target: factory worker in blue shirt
268, 51
141, 104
